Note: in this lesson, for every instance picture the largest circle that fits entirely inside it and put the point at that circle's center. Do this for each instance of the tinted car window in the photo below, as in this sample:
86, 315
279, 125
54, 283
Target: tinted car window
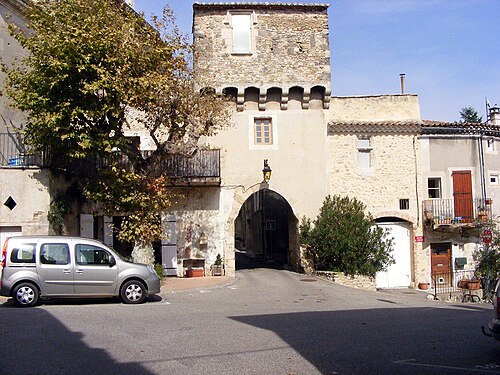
24, 253
57, 253
91, 255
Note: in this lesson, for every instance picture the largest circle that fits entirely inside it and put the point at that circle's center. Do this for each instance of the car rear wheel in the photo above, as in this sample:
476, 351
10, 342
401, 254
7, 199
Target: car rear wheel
133, 292
25, 295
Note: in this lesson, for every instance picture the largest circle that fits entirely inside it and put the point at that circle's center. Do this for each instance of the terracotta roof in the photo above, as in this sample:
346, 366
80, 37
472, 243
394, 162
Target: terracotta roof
255, 4
467, 128
412, 127
378, 127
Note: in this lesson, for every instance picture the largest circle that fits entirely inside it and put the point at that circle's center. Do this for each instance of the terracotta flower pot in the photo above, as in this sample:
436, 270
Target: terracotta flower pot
463, 284
423, 286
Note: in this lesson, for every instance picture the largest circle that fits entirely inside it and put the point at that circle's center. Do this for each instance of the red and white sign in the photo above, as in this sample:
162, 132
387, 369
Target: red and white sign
419, 238
487, 236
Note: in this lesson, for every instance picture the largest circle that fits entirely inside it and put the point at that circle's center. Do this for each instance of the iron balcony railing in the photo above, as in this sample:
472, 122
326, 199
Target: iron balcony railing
457, 211
202, 165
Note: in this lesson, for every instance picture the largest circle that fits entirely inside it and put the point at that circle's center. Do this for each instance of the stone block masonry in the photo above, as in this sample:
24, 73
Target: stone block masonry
289, 46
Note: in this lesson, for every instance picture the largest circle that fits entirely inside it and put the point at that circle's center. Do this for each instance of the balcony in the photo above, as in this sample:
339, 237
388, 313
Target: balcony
203, 168
443, 214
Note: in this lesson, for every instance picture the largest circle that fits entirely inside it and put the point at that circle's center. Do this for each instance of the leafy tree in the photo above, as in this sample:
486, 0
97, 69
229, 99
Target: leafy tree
344, 238
488, 260
469, 114
97, 70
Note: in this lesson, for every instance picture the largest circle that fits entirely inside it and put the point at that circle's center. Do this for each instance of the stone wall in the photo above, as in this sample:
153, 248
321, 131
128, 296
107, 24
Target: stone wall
357, 281
289, 46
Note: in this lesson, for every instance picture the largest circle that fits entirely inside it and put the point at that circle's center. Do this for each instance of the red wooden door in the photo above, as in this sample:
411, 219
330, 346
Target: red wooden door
441, 262
462, 195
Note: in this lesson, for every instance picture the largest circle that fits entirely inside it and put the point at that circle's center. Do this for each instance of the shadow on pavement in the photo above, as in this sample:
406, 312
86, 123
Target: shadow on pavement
32, 341
80, 301
244, 262
393, 341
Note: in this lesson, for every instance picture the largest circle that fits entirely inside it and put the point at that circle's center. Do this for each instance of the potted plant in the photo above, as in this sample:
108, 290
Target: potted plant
474, 284
217, 266
423, 285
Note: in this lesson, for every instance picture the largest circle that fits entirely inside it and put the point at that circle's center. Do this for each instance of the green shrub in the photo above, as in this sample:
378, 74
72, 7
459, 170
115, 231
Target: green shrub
159, 270
344, 238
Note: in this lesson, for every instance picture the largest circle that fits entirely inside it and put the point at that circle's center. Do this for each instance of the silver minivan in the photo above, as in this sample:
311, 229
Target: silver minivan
59, 266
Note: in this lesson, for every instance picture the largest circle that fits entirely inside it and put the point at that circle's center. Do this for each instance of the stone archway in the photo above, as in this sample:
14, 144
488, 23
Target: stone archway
264, 231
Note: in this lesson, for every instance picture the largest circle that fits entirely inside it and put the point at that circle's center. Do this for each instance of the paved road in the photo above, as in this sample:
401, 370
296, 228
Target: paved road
265, 322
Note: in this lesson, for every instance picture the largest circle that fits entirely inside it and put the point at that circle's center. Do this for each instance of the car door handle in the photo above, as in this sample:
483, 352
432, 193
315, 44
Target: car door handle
78, 271
66, 271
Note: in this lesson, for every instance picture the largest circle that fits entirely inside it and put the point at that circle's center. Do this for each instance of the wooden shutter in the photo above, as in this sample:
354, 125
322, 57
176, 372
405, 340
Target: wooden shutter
462, 195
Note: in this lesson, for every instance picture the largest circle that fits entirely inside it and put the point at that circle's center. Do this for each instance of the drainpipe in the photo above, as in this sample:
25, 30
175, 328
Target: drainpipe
481, 169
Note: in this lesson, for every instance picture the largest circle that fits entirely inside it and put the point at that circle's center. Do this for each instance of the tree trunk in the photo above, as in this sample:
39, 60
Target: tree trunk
143, 253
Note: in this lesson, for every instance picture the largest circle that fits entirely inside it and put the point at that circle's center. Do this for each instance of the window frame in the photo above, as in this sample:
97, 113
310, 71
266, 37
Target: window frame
491, 146
237, 27
252, 145
439, 189
15, 252
496, 176
263, 125
92, 248
45, 261
364, 151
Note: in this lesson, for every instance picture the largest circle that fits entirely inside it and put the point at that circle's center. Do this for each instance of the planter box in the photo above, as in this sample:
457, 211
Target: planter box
473, 285
195, 272
217, 270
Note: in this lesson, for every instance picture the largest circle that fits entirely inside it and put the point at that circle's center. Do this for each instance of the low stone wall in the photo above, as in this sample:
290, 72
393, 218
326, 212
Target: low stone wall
358, 281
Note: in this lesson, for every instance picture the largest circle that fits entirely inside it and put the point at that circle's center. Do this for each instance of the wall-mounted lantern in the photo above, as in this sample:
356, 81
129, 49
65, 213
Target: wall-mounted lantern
266, 172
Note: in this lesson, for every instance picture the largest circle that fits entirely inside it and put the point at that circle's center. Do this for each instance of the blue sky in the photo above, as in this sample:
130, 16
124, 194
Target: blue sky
448, 49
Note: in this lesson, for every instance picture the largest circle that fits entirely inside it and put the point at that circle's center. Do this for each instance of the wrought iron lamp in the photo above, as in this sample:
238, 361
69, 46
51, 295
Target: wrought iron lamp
266, 172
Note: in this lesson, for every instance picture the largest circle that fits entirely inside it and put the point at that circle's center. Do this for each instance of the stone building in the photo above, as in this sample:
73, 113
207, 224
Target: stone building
24, 192
460, 168
272, 63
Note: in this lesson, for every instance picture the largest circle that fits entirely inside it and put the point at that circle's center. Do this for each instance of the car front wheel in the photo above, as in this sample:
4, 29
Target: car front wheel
25, 295
133, 291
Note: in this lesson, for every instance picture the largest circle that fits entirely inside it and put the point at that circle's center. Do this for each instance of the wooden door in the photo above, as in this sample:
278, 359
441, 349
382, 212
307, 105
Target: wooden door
462, 196
441, 262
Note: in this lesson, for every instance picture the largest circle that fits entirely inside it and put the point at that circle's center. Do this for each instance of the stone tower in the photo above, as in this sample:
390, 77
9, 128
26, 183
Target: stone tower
263, 52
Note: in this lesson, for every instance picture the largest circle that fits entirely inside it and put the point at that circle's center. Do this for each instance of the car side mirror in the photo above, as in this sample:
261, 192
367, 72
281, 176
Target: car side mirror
112, 261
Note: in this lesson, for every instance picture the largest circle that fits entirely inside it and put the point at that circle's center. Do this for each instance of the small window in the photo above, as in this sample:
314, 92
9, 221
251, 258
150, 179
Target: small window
434, 187
241, 24
25, 253
54, 253
404, 204
490, 144
364, 154
92, 255
263, 131
494, 179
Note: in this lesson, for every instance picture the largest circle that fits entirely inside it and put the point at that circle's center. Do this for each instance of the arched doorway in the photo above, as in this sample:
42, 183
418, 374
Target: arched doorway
397, 275
265, 232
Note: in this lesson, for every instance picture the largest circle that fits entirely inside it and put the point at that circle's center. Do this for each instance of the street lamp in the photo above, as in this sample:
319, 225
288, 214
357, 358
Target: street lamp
266, 172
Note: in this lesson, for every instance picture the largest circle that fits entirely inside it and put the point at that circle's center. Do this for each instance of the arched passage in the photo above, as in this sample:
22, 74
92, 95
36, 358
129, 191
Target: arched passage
265, 232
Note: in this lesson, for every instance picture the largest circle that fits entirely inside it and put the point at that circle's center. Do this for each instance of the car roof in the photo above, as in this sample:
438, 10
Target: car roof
50, 237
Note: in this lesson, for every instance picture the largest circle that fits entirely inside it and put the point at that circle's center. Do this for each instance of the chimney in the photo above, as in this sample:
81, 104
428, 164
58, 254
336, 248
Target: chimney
402, 77
495, 115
